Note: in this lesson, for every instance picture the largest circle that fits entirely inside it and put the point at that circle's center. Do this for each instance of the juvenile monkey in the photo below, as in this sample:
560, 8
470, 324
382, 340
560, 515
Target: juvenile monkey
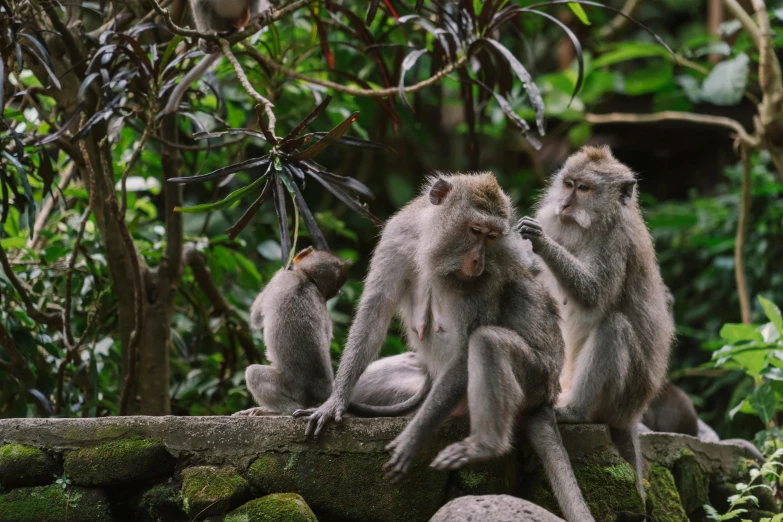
214, 16
497, 344
297, 333
601, 268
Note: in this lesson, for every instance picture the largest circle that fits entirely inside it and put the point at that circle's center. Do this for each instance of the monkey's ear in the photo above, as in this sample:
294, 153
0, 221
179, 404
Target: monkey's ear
440, 189
303, 254
347, 263
626, 190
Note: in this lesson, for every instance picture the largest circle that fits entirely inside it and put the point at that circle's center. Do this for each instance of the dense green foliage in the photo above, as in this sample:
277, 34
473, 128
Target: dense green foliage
77, 370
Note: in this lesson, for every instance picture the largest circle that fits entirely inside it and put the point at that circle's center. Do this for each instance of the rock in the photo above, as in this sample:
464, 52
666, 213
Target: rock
118, 462
351, 486
750, 449
692, 483
608, 484
278, 507
492, 508
54, 504
22, 465
159, 503
209, 490
663, 500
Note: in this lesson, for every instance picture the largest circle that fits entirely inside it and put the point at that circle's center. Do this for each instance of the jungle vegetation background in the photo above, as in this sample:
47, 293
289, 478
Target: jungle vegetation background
114, 302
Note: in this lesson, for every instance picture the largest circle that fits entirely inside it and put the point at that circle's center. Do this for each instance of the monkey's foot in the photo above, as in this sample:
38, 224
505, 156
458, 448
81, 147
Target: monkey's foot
461, 453
253, 412
402, 455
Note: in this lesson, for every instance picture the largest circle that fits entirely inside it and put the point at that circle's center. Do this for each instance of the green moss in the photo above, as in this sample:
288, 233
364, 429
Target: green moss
664, 504
53, 504
472, 479
207, 490
351, 486
490, 478
692, 482
22, 465
607, 482
160, 503
119, 462
278, 507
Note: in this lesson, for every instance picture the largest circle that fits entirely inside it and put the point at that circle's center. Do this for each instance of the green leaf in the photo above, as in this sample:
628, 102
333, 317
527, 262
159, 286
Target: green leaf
629, 51
753, 361
772, 312
726, 82
763, 402
580, 13
734, 333
224, 203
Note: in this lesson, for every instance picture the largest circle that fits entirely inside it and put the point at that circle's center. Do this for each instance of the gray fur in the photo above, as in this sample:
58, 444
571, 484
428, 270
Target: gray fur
601, 268
297, 333
498, 341
672, 411
214, 17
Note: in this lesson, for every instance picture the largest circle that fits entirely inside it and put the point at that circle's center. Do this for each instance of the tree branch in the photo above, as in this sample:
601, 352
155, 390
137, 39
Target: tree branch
268, 105
53, 320
132, 161
618, 24
690, 117
744, 18
742, 232
67, 333
372, 93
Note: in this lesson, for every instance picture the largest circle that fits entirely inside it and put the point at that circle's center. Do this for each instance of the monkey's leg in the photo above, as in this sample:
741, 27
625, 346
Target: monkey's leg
626, 440
600, 375
390, 380
268, 388
494, 396
544, 436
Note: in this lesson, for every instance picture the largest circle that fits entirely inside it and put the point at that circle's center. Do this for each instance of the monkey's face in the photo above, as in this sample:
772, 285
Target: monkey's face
577, 197
466, 229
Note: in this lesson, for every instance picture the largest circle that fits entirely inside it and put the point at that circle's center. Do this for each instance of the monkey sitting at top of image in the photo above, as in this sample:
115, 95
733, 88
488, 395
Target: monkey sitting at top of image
600, 266
297, 333
221, 17
490, 336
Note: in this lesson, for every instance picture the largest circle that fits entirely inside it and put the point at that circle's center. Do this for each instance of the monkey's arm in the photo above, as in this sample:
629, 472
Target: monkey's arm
447, 390
390, 271
589, 284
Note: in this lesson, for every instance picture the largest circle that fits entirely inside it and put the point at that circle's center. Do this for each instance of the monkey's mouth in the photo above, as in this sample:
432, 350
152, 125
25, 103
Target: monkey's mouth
463, 276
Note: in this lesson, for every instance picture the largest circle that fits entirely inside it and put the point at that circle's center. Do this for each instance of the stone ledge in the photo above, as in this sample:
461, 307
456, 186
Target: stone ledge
340, 477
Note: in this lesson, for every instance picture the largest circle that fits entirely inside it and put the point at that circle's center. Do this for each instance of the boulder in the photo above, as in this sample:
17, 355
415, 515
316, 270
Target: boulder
278, 507
54, 504
118, 462
22, 465
209, 490
493, 508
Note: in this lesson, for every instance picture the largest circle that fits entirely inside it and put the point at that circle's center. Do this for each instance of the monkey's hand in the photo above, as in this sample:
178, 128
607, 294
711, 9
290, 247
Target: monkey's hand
532, 230
332, 409
403, 450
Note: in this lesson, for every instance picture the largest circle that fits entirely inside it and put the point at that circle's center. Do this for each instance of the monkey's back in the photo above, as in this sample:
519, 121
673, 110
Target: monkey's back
297, 328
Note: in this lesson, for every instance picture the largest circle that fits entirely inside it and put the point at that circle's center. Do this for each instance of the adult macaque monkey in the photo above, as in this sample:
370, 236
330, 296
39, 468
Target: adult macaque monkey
297, 333
602, 271
220, 17
497, 342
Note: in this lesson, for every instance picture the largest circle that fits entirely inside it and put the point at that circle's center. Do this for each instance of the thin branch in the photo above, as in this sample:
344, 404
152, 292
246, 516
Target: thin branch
53, 320
192, 257
769, 66
372, 93
46, 210
132, 162
744, 18
618, 24
690, 117
742, 233
268, 105
67, 333
19, 366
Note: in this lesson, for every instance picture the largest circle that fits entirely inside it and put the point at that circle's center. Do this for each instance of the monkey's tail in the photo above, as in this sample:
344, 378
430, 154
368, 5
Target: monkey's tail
544, 436
393, 410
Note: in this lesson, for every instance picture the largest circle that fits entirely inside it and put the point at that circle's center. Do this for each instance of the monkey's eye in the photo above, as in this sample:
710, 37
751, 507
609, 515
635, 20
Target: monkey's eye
584, 188
568, 184
476, 231
493, 236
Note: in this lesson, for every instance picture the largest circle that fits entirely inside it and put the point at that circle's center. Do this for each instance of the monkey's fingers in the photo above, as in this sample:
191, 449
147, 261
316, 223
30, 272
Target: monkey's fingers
452, 457
300, 413
322, 420
312, 423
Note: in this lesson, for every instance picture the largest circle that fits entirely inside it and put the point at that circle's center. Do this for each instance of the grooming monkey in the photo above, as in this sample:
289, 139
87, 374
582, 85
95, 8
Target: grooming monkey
297, 333
498, 342
601, 268
213, 16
